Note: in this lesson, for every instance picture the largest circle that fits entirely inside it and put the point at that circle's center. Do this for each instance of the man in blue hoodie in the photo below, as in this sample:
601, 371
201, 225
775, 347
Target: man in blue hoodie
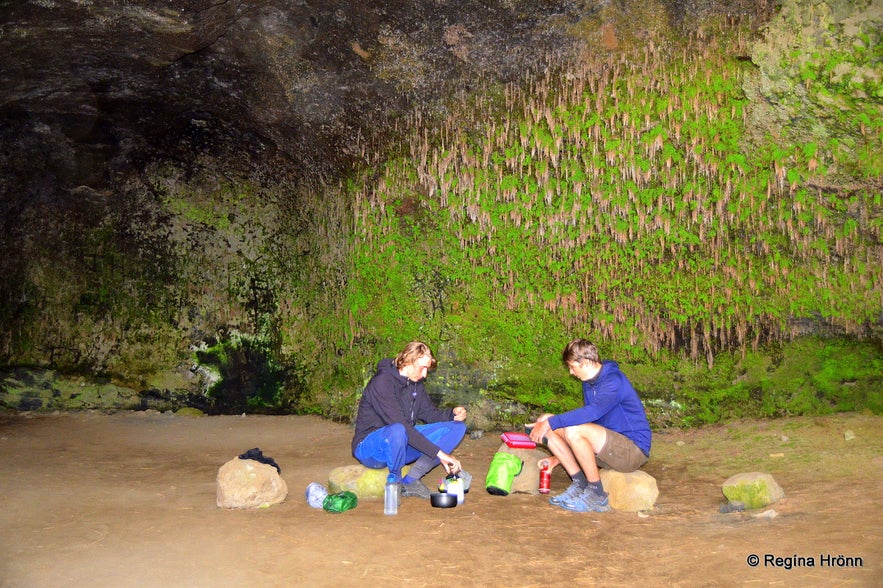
610, 430
397, 423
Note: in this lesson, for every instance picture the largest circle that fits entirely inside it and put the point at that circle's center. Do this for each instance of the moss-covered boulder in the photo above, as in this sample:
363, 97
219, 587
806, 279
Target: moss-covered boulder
189, 411
754, 489
362, 481
38, 389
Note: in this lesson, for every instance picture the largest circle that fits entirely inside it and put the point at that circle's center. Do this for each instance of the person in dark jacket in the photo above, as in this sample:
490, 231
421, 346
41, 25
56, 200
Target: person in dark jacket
610, 429
397, 423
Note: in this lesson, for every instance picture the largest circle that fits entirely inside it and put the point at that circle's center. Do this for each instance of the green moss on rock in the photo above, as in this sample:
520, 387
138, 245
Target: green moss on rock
360, 480
189, 411
754, 490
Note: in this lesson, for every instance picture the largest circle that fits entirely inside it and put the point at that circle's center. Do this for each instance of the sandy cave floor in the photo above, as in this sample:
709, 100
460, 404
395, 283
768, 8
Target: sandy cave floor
129, 500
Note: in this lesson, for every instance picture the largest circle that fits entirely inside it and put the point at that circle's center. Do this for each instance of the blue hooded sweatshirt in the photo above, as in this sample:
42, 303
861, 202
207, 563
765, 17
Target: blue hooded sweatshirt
611, 401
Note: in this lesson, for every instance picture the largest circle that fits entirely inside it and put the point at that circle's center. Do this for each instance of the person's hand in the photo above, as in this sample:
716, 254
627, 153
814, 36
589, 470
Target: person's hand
449, 462
459, 413
550, 462
540, 429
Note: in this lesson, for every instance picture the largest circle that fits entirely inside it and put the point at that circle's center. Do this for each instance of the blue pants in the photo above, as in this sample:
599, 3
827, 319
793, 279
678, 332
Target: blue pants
388, 447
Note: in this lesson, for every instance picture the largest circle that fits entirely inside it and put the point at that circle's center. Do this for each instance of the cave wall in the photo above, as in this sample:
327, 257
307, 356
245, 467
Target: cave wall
252, 192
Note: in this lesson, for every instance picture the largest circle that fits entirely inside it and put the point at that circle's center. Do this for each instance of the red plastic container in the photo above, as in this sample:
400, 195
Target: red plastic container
518, 440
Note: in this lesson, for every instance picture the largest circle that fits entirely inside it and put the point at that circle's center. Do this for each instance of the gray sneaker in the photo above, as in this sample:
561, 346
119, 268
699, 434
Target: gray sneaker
416, 488
572, 492
587, 501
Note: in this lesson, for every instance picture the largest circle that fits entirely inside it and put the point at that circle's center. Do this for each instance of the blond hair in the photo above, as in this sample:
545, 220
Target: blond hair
412, 352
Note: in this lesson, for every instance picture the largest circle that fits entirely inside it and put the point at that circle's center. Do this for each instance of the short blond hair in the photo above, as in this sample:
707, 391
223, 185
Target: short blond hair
412, 352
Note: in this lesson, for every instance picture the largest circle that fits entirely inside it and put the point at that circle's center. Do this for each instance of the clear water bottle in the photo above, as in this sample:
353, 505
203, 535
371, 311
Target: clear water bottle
391, 496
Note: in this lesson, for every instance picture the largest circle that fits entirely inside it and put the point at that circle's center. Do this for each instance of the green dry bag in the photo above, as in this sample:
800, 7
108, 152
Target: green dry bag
503, 469
340, 502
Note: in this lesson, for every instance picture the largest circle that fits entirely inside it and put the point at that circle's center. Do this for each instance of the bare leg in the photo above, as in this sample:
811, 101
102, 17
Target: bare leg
559, 447
583, 442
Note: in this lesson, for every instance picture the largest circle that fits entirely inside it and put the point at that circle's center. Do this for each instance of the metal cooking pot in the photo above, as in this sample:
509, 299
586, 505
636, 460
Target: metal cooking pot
443, 500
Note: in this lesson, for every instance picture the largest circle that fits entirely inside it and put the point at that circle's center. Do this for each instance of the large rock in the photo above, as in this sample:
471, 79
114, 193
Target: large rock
363, 482
632, 492
528, 481
245, 483
753, 489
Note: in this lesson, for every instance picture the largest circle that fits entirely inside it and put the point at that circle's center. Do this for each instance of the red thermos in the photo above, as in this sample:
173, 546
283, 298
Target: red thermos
545, 479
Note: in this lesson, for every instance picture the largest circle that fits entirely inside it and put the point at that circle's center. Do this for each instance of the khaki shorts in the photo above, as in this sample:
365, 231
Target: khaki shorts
620, 453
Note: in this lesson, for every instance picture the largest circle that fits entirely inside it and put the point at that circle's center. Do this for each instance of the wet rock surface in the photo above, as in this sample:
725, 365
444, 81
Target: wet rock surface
97, 87
91, 89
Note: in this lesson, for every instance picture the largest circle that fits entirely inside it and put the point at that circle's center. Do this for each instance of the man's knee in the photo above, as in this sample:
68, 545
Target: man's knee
448, 434
591, 433
396, 434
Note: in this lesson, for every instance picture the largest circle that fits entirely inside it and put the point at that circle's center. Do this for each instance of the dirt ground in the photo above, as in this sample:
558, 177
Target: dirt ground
129, 500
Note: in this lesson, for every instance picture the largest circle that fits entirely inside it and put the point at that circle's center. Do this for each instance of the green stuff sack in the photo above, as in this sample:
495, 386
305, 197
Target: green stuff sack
503, 469
340, 502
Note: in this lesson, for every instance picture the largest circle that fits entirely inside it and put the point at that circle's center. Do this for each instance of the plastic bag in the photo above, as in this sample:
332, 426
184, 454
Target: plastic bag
502, 471
316, 494
340, 502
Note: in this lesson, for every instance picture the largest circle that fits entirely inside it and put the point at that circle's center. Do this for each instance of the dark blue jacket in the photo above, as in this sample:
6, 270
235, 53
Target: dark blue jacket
611, 401
390, 398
